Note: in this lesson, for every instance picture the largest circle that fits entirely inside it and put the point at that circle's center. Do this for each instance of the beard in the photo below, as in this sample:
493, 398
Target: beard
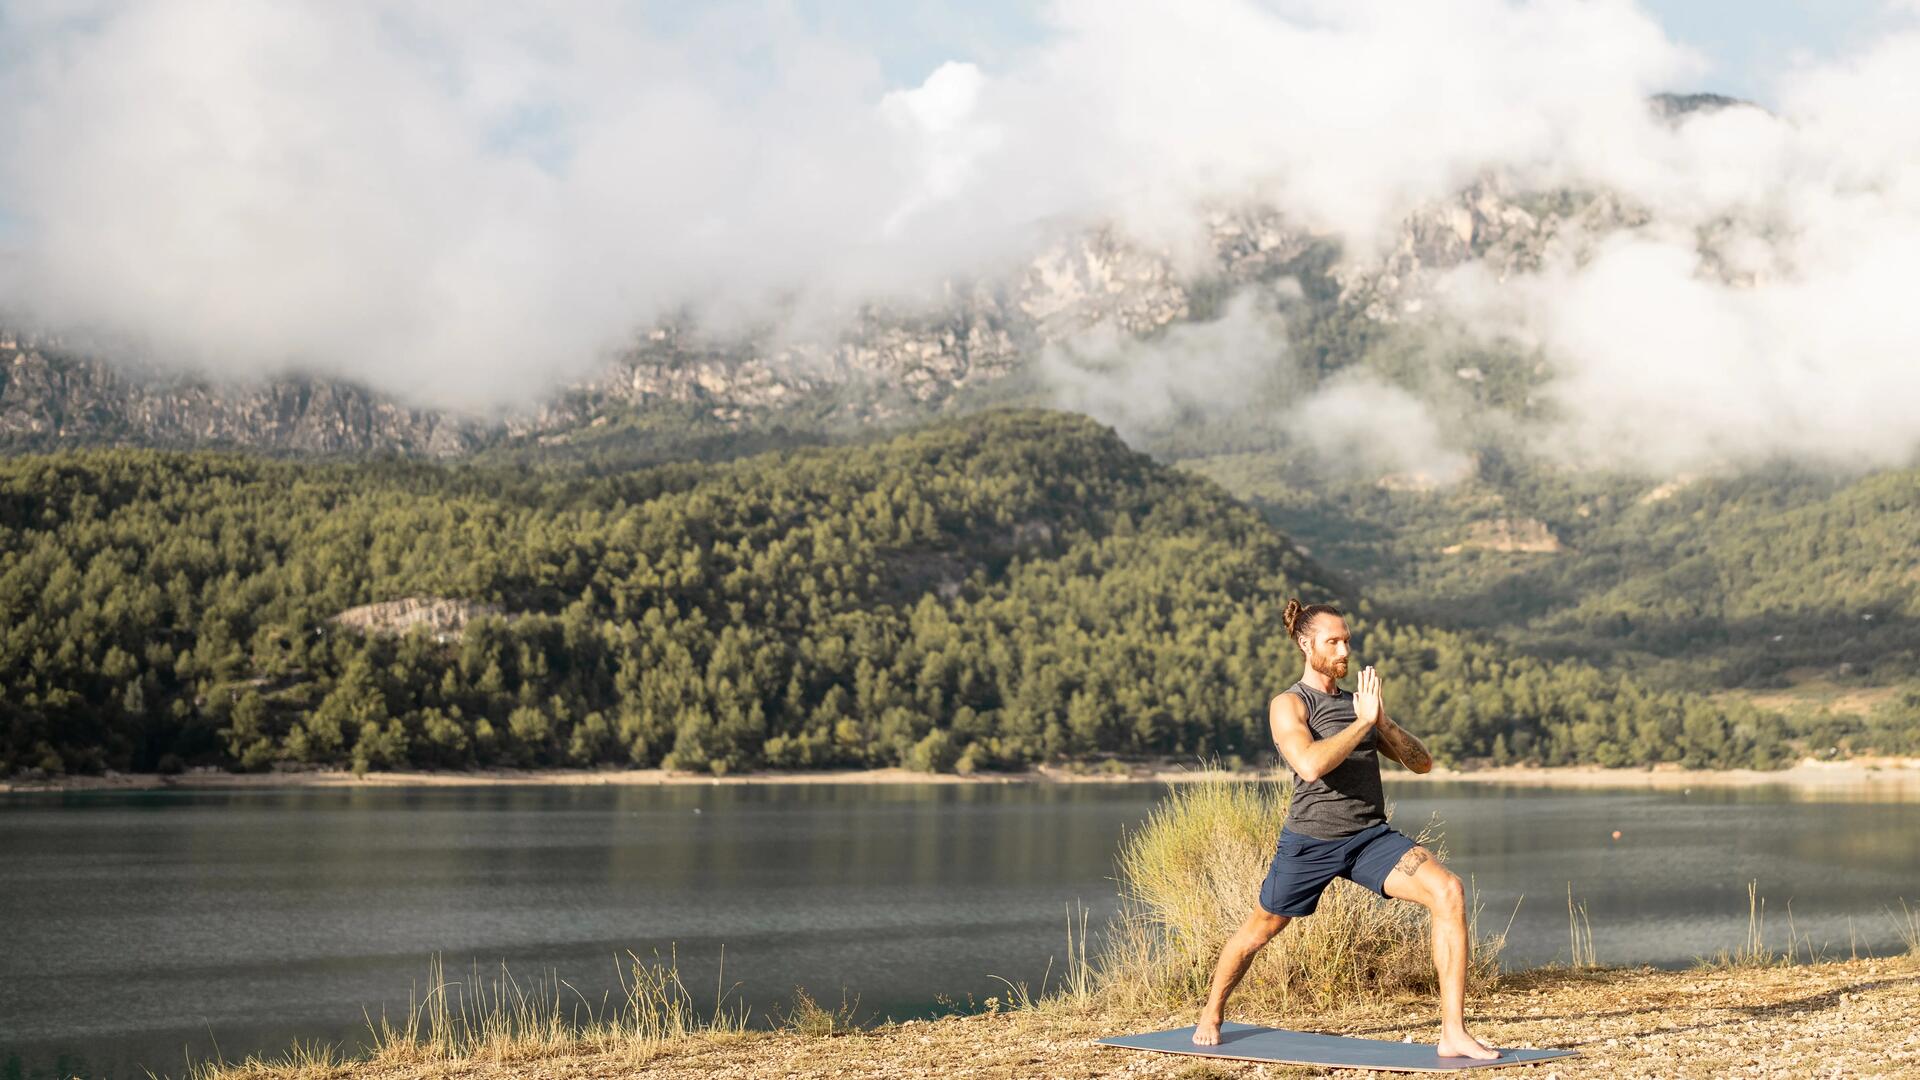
1330, 667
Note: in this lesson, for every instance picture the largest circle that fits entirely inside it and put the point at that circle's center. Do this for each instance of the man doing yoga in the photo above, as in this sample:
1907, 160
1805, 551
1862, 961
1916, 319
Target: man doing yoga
1337, 825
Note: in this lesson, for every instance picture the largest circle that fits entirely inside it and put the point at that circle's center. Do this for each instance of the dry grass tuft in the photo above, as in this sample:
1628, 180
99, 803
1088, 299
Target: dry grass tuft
498, 1019
303, 1061
1754, 952
1580, 933
501, 1020
1907, 926
1191, 874
809, 1017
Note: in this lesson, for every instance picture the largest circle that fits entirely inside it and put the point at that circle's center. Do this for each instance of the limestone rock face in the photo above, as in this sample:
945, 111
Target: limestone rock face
1668, 489
1488, 224
445, 619
1098, 278
1507, 535
1252, 242
50, 397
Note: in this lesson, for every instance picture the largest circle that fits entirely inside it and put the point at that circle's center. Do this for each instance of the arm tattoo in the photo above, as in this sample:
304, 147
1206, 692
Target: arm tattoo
1412, 859
1415, 758
1407, 749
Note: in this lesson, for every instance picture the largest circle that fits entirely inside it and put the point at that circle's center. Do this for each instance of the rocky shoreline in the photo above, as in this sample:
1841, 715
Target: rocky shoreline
1892, 778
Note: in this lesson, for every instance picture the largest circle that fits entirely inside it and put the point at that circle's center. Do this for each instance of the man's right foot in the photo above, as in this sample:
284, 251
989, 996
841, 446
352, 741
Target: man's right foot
1461, 1044
1207, 1031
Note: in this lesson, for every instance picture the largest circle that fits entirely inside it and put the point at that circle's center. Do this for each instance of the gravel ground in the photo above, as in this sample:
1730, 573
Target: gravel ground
1848, 1019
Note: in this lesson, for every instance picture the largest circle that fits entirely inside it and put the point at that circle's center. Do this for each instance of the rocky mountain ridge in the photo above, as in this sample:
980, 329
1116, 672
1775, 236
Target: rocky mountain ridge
889, 363
53, 395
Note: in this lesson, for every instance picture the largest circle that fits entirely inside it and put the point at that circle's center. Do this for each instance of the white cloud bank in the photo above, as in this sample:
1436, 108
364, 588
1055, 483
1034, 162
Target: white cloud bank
465, 204
1794, 337
1197, 373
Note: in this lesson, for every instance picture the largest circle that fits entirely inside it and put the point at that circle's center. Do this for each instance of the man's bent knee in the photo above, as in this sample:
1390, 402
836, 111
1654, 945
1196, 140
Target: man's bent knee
1420, 878
1449, 896
1263, 924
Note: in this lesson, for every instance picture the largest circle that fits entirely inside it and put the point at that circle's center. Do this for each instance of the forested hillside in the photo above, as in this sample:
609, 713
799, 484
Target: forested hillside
1792, 588
1738, 581
991, 592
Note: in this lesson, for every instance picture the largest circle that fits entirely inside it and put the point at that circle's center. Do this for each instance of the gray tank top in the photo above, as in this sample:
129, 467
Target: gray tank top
1348, 798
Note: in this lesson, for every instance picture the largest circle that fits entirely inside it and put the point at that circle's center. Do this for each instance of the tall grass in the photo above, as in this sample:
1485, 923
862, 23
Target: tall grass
1580, 933
1907, 926
498, 1018
1190, 875
1755, 952
1078, 984
1077, 987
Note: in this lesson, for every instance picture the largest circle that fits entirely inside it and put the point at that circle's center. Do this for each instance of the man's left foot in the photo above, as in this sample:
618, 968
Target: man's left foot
1461, 1044
1207, 1031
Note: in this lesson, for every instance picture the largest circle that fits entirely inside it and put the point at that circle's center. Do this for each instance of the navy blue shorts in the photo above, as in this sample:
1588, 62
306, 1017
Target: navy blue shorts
1304, 865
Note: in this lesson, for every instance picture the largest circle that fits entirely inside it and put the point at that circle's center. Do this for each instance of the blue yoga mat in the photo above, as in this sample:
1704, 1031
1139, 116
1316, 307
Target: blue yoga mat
1247, 1042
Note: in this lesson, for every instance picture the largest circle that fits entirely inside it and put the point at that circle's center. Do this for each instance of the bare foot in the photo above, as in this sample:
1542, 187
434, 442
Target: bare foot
1207, 1031
1461, 1044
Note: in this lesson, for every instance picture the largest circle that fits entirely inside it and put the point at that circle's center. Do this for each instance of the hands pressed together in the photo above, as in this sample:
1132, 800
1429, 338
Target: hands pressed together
1367, 703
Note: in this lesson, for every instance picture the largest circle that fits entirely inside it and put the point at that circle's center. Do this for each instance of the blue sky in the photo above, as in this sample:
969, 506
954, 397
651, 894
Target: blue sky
1747, 41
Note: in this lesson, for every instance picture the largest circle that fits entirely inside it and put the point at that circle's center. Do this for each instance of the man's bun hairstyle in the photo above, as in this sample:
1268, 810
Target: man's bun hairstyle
1300, 619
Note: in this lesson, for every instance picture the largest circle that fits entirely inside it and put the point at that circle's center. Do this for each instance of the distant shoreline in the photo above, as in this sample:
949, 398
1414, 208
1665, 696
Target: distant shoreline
1869, 776
1866, 775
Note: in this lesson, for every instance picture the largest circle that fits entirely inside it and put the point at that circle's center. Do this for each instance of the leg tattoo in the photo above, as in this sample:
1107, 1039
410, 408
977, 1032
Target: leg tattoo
1412, 859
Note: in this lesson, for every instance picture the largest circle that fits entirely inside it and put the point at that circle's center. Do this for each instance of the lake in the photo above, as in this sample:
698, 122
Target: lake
145, 927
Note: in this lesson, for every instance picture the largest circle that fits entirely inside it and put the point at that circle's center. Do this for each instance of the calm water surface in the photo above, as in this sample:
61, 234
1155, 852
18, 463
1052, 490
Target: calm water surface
142, 928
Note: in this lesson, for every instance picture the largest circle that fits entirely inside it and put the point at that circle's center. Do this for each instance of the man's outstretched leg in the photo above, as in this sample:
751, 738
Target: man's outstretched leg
1420, 878
1235, 957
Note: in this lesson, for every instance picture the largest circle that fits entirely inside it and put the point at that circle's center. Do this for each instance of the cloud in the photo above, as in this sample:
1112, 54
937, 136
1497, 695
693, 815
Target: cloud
1346, 114
1760, 314
468, 206
947, 138
459, 205
1359, 424
465, 206
1191, 372
1657, 366
1204, 372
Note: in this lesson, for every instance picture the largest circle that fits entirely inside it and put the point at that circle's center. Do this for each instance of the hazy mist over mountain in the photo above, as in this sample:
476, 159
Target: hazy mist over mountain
469, 210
